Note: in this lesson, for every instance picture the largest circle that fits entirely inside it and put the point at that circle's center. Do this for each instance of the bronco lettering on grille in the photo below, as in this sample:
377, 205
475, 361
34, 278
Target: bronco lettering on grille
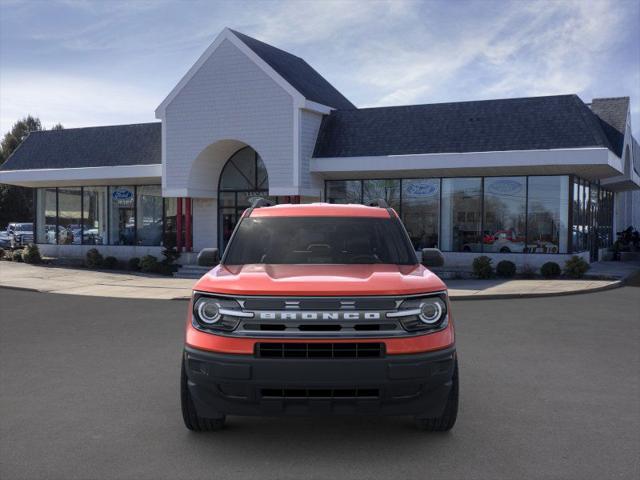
319, 315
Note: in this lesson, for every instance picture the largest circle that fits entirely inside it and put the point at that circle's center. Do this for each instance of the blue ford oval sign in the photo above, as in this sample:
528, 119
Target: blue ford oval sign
505, 187
422, 189
122, 194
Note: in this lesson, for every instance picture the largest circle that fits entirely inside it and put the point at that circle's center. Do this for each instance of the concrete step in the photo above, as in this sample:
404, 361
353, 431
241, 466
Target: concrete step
191, 271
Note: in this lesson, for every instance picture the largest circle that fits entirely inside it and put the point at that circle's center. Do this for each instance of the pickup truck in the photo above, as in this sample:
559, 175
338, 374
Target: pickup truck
19, 234
320, 309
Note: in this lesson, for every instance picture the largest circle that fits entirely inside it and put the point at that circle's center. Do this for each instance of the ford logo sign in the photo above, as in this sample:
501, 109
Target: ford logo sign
422, 189
122, 194
505, 187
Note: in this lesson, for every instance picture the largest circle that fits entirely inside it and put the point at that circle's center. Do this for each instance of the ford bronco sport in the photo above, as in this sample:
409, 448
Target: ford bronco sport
320, 309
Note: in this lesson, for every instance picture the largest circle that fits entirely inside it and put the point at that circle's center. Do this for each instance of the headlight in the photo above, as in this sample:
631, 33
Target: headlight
425, 313
215, 313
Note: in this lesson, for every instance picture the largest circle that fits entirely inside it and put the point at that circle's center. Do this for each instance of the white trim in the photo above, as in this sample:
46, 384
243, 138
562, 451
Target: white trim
317, 107
227, 34
74, 176
469, 161
297, 113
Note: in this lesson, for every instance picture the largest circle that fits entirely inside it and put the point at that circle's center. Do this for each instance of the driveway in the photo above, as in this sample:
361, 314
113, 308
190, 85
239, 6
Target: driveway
550, 388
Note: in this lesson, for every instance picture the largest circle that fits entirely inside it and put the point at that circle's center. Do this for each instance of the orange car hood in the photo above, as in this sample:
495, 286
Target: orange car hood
320, 280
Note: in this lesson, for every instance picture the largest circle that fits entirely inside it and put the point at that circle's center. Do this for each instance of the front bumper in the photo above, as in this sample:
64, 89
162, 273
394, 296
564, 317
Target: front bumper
228, 384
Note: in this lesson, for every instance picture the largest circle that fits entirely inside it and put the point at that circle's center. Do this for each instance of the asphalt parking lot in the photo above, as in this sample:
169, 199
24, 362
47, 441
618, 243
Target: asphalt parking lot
550, 388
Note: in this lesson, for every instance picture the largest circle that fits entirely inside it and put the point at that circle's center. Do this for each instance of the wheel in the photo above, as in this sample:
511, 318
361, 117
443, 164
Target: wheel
192, 420
505, 250
447, 420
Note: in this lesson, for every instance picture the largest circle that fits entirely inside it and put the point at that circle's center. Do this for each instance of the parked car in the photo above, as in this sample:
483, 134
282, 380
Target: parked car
19, 234
320, 309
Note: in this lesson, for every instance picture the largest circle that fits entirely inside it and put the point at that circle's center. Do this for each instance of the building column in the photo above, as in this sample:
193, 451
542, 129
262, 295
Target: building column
188, 243
179, 224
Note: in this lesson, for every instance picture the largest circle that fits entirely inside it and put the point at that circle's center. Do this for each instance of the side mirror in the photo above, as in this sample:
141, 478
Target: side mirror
208, 257
432, 257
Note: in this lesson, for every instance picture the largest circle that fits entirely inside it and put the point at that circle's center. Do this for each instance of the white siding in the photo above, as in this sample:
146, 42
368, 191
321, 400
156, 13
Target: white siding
309, 127
230, 97
205, 223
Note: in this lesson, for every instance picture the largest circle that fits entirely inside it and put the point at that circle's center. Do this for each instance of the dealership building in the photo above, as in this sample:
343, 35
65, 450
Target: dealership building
525, 179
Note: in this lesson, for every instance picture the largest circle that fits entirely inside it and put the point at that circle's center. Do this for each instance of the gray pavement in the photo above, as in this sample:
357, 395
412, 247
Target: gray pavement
549, 389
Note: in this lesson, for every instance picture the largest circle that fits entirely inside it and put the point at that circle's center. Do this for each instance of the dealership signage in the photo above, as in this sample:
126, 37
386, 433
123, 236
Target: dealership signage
422, 189
122, 196
505, 187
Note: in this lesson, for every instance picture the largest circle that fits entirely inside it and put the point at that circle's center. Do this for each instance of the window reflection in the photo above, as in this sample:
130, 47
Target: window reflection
505, 200
122, 222
344, 191
421, 211
149, 215
461, 214
69, 216
387, 190
94, 215
547, 215
46, 216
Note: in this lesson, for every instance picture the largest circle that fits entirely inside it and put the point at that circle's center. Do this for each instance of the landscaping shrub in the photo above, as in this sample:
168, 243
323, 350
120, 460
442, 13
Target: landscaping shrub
506, 269
575, 267
110, 263
1, 253
31, 254
93, 258
166, 269
17, 256
482, 267
134, 264
550, 270
149, 264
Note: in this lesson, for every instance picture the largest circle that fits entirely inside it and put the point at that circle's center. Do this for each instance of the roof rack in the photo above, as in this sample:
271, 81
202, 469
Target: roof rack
379, 202
261, 202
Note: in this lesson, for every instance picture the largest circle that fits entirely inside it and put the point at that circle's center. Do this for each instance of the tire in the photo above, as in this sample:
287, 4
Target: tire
192, 420
447, 420
505, 250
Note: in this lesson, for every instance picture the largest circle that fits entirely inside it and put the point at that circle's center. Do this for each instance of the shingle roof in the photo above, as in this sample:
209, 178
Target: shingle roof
562, 121
138, 144
298, 73
612, 113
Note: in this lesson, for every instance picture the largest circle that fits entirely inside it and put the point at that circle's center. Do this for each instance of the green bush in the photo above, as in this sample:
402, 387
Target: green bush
110, 263
165, 269
93, 258
31, 254
482, 267
575, 267
2, 253
506, 269
134, 264
17, 256
149, 264
550, 270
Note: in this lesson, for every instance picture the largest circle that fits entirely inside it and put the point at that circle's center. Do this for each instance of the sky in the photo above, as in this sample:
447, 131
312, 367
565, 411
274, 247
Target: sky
86, 63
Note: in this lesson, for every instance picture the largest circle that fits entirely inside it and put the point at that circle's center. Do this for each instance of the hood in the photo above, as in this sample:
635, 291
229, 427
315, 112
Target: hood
320, 280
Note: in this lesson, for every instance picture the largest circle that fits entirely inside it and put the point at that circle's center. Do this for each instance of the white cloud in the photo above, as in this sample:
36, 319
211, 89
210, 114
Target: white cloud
72, 101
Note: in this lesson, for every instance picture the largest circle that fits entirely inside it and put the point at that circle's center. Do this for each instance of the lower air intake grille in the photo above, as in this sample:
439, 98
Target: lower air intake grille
320, 392
320, 350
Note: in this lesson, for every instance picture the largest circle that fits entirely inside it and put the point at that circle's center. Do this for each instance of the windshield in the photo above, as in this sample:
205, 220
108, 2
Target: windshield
320, 240
24, 227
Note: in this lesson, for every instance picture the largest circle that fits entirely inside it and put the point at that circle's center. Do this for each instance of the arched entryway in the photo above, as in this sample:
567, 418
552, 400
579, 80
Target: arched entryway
243, 178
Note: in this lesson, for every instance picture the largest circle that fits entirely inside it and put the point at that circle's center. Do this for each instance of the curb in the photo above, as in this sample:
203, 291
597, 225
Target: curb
505, 296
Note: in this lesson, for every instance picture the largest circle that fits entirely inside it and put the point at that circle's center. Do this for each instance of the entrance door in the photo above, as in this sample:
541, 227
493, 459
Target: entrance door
243, 178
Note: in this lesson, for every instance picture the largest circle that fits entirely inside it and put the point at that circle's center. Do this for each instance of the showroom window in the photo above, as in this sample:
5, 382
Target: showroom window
505, 215
388, 190
46, 215
461, 215
149, 215
94, 208
547, 214
70, 216
421, 211
344, 191
122, 218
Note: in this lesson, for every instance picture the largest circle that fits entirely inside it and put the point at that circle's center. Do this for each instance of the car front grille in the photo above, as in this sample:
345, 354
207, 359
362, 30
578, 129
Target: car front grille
332, 393
320, 350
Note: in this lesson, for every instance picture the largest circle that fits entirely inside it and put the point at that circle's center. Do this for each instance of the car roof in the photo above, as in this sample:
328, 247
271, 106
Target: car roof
320, 210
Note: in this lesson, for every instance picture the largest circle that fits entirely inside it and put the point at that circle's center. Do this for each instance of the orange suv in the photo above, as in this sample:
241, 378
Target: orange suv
320, 309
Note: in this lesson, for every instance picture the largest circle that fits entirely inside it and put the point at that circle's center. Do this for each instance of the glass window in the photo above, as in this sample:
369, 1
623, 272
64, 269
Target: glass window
46, 216
320, 240
240, 172
94, 216
344, 191
548, 214
388, 190
122, 224
70, 216
421, 211
461, 214
149, 215
170, 219
505, 200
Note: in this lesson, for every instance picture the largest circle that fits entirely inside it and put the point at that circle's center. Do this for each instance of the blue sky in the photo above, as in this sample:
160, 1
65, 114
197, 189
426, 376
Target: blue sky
84, 63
